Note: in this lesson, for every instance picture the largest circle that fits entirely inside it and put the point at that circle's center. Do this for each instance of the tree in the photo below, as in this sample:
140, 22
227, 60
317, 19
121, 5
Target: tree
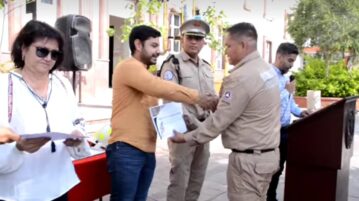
139, 8
330, 24
5, 11
217, 24
215, 21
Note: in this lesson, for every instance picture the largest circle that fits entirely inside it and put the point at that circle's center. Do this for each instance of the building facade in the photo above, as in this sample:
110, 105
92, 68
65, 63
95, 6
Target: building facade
93, 86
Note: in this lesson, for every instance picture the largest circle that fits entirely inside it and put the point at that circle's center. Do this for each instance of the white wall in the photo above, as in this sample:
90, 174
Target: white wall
47, 12
271, 27
70, 7
119, 8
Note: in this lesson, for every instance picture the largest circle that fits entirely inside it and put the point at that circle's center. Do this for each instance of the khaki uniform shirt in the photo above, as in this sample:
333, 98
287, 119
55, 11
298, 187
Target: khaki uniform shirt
248, 112
192, 75
133, 91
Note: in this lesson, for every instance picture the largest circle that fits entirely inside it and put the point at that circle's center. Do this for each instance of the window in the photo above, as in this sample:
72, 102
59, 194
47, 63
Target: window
219, 59
46, 1
246, 6
267, 50
287, 18
174, 33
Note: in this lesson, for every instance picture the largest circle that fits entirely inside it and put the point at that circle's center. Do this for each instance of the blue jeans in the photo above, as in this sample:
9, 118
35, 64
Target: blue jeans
131, 172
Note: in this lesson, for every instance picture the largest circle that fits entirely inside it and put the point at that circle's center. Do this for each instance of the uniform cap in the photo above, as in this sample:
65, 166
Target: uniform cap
195, 27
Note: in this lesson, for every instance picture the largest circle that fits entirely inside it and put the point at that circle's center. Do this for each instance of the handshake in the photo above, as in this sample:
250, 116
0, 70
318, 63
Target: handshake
208, 101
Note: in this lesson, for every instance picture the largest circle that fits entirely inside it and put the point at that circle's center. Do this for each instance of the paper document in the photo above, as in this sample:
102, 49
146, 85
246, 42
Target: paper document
52, 135
166, 118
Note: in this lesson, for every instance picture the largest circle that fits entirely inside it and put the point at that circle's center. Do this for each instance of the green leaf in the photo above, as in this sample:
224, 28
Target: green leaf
111, 32
339, 82
330, 24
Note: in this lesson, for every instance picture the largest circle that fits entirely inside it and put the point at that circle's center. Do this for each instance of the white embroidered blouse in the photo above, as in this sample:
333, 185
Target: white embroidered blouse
43, 175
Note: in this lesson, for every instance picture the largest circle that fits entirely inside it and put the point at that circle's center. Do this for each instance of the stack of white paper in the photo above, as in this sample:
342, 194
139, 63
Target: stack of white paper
51, 135
168, 117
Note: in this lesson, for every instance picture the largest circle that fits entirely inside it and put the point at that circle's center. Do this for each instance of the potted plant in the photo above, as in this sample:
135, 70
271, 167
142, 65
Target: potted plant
334, 81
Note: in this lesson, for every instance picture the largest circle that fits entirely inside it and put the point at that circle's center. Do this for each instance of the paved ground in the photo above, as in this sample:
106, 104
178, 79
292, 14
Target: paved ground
215, 188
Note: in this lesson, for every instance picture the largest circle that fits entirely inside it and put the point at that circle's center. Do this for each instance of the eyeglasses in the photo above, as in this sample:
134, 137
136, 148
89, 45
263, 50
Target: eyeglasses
42, 52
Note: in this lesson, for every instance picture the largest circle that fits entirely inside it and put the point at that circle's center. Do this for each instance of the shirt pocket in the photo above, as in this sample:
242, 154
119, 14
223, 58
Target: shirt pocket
208, 79
188, 80
208, 75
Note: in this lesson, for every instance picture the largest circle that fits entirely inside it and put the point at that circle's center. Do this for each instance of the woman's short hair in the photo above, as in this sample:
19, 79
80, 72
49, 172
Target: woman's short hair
32, 31
142, 32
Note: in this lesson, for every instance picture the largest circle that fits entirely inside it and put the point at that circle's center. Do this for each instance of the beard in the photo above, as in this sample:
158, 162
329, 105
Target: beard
149, 59
284, 71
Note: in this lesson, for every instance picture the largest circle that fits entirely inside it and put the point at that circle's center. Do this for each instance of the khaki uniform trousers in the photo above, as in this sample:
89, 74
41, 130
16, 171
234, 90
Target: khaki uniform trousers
188, 169
249, 175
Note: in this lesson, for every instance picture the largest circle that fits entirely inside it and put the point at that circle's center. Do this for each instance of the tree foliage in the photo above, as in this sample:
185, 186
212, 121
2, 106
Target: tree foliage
339, 82
215, 21
330, 24
2, 4
140, 8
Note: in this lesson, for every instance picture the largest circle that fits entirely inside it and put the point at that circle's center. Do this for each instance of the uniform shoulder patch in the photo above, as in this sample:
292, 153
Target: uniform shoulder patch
169, 57
168, 75
227, 96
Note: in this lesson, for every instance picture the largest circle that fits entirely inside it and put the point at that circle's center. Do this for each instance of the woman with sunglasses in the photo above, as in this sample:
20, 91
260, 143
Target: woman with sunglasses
38, 101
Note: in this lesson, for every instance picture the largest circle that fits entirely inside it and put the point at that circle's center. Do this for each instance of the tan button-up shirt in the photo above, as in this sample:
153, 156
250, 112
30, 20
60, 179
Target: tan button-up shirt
248, 111
133, 91
190, 74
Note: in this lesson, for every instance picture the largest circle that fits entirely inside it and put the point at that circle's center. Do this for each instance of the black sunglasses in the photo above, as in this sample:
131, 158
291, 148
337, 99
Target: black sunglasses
42, 52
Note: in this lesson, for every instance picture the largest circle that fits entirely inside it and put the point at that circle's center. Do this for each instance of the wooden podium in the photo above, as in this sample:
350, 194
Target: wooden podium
319, 152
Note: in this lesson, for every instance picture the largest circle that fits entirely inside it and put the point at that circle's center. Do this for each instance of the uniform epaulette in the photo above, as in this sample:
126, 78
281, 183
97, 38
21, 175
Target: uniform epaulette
169, 57
176, 63
206, 62
174, 59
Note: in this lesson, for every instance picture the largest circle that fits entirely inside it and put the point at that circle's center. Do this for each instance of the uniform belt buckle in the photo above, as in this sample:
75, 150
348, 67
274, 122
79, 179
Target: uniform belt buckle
257, 152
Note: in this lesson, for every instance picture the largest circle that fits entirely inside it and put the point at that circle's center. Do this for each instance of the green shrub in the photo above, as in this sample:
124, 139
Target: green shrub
338, 83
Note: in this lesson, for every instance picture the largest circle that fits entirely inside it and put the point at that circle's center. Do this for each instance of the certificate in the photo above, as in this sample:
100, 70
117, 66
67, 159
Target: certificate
168, 117
51, 135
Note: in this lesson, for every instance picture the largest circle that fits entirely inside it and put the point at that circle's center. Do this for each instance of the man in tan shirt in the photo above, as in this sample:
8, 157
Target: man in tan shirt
130, 153
189, 163
247, 115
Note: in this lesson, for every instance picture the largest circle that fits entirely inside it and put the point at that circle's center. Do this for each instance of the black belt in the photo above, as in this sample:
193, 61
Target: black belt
201, 119
252, 151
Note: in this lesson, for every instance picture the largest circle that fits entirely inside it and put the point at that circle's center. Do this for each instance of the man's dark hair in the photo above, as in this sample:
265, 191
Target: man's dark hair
32, 31
243, 29
287, 48
142, 32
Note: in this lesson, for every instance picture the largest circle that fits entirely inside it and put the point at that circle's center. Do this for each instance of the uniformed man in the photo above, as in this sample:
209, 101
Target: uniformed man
247, 116
189, 163
130, 153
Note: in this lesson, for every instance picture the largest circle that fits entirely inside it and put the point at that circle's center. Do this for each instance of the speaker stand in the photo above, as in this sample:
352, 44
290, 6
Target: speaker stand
74, 81
80, 87
74, 84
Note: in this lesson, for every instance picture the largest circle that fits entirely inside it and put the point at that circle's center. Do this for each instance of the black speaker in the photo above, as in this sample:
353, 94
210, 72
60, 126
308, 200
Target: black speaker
77, 48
